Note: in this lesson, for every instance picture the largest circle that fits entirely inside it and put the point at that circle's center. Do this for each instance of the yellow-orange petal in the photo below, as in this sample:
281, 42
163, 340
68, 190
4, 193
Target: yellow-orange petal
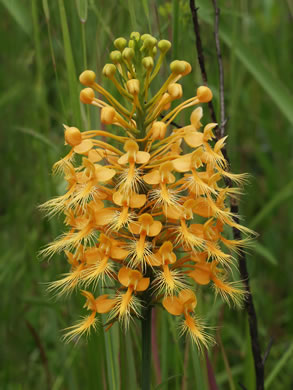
155, 229
95, 155
200, 276
123, 276
182, 164
172, 212
85, 146
142, 157
134, 227
143, 284
93, 255
118, 253
194, 139
104, 304
187, 297
152, 177
173, 305
195, 117
105, 174
123, 159
137, 200
103, 217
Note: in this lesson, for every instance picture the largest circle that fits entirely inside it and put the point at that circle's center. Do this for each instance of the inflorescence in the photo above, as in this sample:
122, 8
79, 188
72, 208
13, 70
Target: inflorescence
148, 211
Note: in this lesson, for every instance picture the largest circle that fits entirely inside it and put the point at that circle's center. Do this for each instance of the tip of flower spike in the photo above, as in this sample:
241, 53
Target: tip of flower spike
87, 95
72, 136
120, 43
87, 78
204, 94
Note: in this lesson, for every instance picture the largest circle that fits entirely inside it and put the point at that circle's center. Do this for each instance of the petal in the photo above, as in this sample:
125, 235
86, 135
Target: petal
84, 146
152, 177
118, 253
142, 157
143, 284
93, 255
187, 297
95, 155
200, 276
197, 229
105, 174
137, 200
172, 212
173, 305
104, 217
154, 260
117, 198
182, 164
203, 209
155, 228
194, 139
123, 276
104, 304
134, 227
123, 159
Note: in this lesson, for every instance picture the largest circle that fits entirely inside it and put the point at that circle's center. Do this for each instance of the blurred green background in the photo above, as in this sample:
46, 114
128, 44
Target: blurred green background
45, 45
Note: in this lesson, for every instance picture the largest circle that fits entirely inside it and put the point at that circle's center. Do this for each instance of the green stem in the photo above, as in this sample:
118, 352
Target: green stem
146, 347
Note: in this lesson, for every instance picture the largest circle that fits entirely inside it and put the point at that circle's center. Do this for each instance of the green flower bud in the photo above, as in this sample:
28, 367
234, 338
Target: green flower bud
115, 56
164, 46
109, 70
177, 67
128, 54
135, 35
144, 36
131, 43
148, 63
120, 43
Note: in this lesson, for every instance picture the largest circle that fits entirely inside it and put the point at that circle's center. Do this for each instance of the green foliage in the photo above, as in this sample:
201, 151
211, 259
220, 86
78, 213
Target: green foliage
44, 46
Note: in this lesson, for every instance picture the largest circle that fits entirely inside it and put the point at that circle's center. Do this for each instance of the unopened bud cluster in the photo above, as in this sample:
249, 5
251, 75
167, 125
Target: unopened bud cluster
147, 212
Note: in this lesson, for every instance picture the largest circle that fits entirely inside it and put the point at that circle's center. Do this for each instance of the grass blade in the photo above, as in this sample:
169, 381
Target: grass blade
70, 66
279, 365
279, 198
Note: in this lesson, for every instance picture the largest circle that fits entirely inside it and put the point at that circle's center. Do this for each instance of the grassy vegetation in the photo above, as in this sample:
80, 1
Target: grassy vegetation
44, 47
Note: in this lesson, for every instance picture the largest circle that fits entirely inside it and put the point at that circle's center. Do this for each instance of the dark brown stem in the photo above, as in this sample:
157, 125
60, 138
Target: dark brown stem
221, 128
249, 306
200, 55
43, 355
